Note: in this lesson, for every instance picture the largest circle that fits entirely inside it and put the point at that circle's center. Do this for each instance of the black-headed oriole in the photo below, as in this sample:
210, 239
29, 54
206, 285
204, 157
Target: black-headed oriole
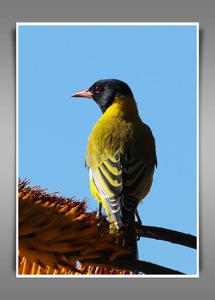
121, 156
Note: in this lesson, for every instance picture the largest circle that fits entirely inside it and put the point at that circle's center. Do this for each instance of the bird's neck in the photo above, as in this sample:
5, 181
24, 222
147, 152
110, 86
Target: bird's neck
124, 106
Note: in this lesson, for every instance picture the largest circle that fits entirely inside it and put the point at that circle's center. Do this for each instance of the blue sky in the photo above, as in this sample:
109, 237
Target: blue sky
159, 64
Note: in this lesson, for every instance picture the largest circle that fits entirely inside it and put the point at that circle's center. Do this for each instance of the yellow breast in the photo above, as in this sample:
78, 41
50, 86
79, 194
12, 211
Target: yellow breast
113, 132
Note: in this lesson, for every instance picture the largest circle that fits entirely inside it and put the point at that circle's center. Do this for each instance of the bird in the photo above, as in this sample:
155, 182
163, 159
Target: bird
120, 156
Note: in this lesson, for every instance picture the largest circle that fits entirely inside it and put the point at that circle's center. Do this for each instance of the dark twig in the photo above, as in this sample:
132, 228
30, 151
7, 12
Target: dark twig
168, 235
135, 266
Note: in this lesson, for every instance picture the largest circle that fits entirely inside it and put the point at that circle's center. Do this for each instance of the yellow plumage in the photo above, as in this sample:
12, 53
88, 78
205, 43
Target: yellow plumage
120, 154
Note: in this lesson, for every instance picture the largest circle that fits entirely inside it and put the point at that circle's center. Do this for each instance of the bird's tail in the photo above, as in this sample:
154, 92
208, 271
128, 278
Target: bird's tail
130, 238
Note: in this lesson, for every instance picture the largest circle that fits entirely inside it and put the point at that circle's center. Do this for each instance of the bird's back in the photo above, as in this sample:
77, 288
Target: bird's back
121, 158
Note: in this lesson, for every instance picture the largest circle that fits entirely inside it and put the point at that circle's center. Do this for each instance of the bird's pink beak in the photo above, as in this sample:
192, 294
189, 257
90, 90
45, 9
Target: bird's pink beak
83, 94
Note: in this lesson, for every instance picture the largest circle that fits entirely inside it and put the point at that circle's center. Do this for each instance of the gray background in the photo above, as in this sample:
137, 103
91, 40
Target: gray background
12, 11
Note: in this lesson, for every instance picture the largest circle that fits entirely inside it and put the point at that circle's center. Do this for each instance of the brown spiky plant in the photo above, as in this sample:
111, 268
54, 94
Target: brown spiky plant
58, 236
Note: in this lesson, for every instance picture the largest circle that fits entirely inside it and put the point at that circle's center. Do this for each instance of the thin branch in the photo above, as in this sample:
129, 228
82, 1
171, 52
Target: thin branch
164, 234
134, 266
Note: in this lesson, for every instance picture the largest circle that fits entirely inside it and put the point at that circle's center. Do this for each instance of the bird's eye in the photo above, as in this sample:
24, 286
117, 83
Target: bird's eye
98, 89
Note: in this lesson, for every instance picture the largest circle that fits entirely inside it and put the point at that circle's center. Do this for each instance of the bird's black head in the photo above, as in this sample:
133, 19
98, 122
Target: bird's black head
104, 91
